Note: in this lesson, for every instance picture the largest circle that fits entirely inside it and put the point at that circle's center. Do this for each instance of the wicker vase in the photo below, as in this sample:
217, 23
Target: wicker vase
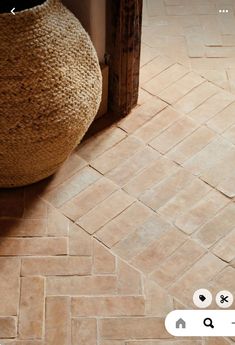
50, 90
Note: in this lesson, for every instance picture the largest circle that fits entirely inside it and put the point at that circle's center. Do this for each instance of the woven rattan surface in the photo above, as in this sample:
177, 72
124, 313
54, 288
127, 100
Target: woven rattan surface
50, 90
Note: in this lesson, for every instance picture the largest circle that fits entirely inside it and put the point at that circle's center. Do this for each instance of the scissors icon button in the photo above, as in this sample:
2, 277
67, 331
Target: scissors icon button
224, 299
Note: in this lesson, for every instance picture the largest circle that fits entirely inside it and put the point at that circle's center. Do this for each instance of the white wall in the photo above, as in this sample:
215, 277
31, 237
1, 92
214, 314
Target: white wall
92, 15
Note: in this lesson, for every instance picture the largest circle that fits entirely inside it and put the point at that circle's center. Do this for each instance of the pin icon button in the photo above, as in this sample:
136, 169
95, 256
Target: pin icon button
202, 298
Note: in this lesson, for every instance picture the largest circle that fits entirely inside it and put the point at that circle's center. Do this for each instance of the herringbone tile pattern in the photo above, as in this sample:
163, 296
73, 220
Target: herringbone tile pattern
138, 218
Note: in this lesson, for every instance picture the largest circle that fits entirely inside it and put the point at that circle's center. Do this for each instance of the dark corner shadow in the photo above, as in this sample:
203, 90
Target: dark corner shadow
14, 202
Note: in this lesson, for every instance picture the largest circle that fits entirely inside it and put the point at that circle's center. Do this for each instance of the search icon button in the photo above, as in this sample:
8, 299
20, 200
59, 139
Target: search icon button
208, 322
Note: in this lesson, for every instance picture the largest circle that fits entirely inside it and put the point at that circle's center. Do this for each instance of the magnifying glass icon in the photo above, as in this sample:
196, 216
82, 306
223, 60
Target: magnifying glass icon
208, 322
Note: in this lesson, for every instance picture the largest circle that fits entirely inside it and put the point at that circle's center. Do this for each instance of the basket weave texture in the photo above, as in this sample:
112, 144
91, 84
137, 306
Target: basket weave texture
50, 91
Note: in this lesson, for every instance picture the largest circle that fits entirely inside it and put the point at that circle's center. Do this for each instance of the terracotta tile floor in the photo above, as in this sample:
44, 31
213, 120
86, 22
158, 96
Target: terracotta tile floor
140, 215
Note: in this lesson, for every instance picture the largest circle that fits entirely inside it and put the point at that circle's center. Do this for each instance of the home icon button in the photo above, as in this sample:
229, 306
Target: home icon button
180, 324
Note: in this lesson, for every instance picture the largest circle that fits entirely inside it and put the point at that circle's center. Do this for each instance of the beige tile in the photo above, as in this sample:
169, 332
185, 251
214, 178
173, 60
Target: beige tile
223, 120
57, 320
77, 285
229, 134
105, 211
137, 241
221, 170
218, 226
101, 142
154, 67
72, 165
211, 107
173, 135
12, 227
211, 32
133, 328
107, 306
124, 224
74, 185
180, 261
181, 87
191, 145
9, 286
217, 341
184, 200
227, 186
142, 114
31, 317
129, 280
125, 171
158, 302
117, 154
199, 214
8, 327
196, 277
80, 243
33, 246
84, 331
158, 124
196, 97
165, 79
88, 199
195, 45
225, 248
160, 194
56, 266
103, 259
209, 155
218, 76
57, 223
151, 176
159, 250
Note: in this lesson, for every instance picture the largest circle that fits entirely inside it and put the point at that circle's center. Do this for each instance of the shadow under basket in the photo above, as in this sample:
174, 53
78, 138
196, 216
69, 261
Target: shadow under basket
50, 89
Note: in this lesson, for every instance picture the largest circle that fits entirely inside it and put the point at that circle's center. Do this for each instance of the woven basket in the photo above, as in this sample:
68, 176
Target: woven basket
50, 90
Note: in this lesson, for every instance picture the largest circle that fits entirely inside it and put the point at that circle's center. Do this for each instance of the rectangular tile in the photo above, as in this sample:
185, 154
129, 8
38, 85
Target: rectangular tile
196, 277
125, 171
153, 68
173, 135
33, 246
191, 145
78, 285
196, 97
57, 320
211, 107
105, 211
12, 227
117, 154
56, 266
225, 248
223, 120
180, 261
158, 124
199, 214
133, 328
124, 224
107, 306
184, 200
88, 198
84, 331
9, 286
165, 79
31, 317
137, 241
74, 185
218, 226
8, 327
160, 194
99, 143
159, 250
142, 114
181, 87
151, 176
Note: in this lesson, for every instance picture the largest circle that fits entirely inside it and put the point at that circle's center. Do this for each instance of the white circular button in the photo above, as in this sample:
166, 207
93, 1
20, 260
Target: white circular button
224, 299
202, 298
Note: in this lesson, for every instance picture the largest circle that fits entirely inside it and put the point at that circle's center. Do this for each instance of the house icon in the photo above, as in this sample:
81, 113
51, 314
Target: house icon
180, 324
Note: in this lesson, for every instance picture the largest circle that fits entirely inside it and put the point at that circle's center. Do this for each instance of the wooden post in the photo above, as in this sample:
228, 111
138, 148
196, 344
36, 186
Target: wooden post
124, 20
